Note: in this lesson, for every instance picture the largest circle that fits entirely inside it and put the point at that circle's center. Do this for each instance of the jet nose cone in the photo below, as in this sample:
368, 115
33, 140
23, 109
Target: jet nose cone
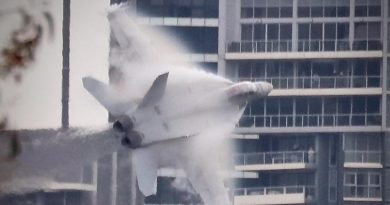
264, 88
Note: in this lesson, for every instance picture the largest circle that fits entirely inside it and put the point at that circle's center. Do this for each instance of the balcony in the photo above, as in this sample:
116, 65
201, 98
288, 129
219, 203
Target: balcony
171, 172
306, 49
274, 160
310, 120
363, 159
323, 45
362, 193
320, 82
178, 21
259, 46
340, 45
274, 195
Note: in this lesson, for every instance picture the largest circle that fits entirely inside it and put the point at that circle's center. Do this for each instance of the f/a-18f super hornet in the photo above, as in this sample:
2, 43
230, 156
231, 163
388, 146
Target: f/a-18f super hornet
171, 117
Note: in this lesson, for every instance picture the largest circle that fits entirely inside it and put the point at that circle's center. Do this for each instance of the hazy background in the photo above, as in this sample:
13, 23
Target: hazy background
36, 102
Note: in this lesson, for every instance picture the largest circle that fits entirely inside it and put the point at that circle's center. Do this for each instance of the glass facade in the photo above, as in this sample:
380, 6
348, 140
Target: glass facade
313, 111
310, 74
323, 8
320, 26
270, 179
266, 8
276, 143
179, 8
329, 32
265, 37
323, 36
362, 148
312, 37
367, 36
388, 36
370, 8
362, 184
196, 39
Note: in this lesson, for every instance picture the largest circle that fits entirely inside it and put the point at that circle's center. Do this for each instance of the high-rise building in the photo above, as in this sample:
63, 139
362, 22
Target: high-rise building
321, 137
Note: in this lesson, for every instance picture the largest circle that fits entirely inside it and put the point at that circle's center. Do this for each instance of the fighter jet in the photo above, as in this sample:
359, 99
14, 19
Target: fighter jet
178, 119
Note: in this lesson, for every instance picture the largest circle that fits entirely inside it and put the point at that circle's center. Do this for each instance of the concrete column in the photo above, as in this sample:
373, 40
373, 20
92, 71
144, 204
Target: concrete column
222, 37
386, 165
114, 167
294, 46
351, 23
340, 168
65, 63
322, 171
104, 181
384, 173
384, 62
89, 198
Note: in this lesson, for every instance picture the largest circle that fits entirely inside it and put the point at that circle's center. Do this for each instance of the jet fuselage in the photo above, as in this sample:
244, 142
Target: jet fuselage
185, 110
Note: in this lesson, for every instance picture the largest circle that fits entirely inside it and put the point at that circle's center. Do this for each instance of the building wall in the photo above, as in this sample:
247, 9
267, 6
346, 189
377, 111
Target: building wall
289, 33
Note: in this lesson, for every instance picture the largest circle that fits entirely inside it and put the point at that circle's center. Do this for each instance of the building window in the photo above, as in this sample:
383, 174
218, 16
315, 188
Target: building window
197, 39
247, 8
286, 8
323, 36
367, 36
313, 112
179, 8
265, 37
388, 74
388, 10
359, 184
323, 8
387, 110
388, 35
314, 74
365, 8
266, 8
260, 9
359, 148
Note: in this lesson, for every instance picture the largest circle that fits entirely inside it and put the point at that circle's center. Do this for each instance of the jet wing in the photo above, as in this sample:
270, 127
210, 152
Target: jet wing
199, 163
197, 155
206, 178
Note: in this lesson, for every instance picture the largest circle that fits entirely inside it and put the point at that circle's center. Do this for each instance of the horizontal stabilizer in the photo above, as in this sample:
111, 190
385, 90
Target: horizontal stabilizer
156, 91
107, 96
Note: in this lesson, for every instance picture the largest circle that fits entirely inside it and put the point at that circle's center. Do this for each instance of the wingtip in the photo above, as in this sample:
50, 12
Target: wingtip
85, 80
88, 81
